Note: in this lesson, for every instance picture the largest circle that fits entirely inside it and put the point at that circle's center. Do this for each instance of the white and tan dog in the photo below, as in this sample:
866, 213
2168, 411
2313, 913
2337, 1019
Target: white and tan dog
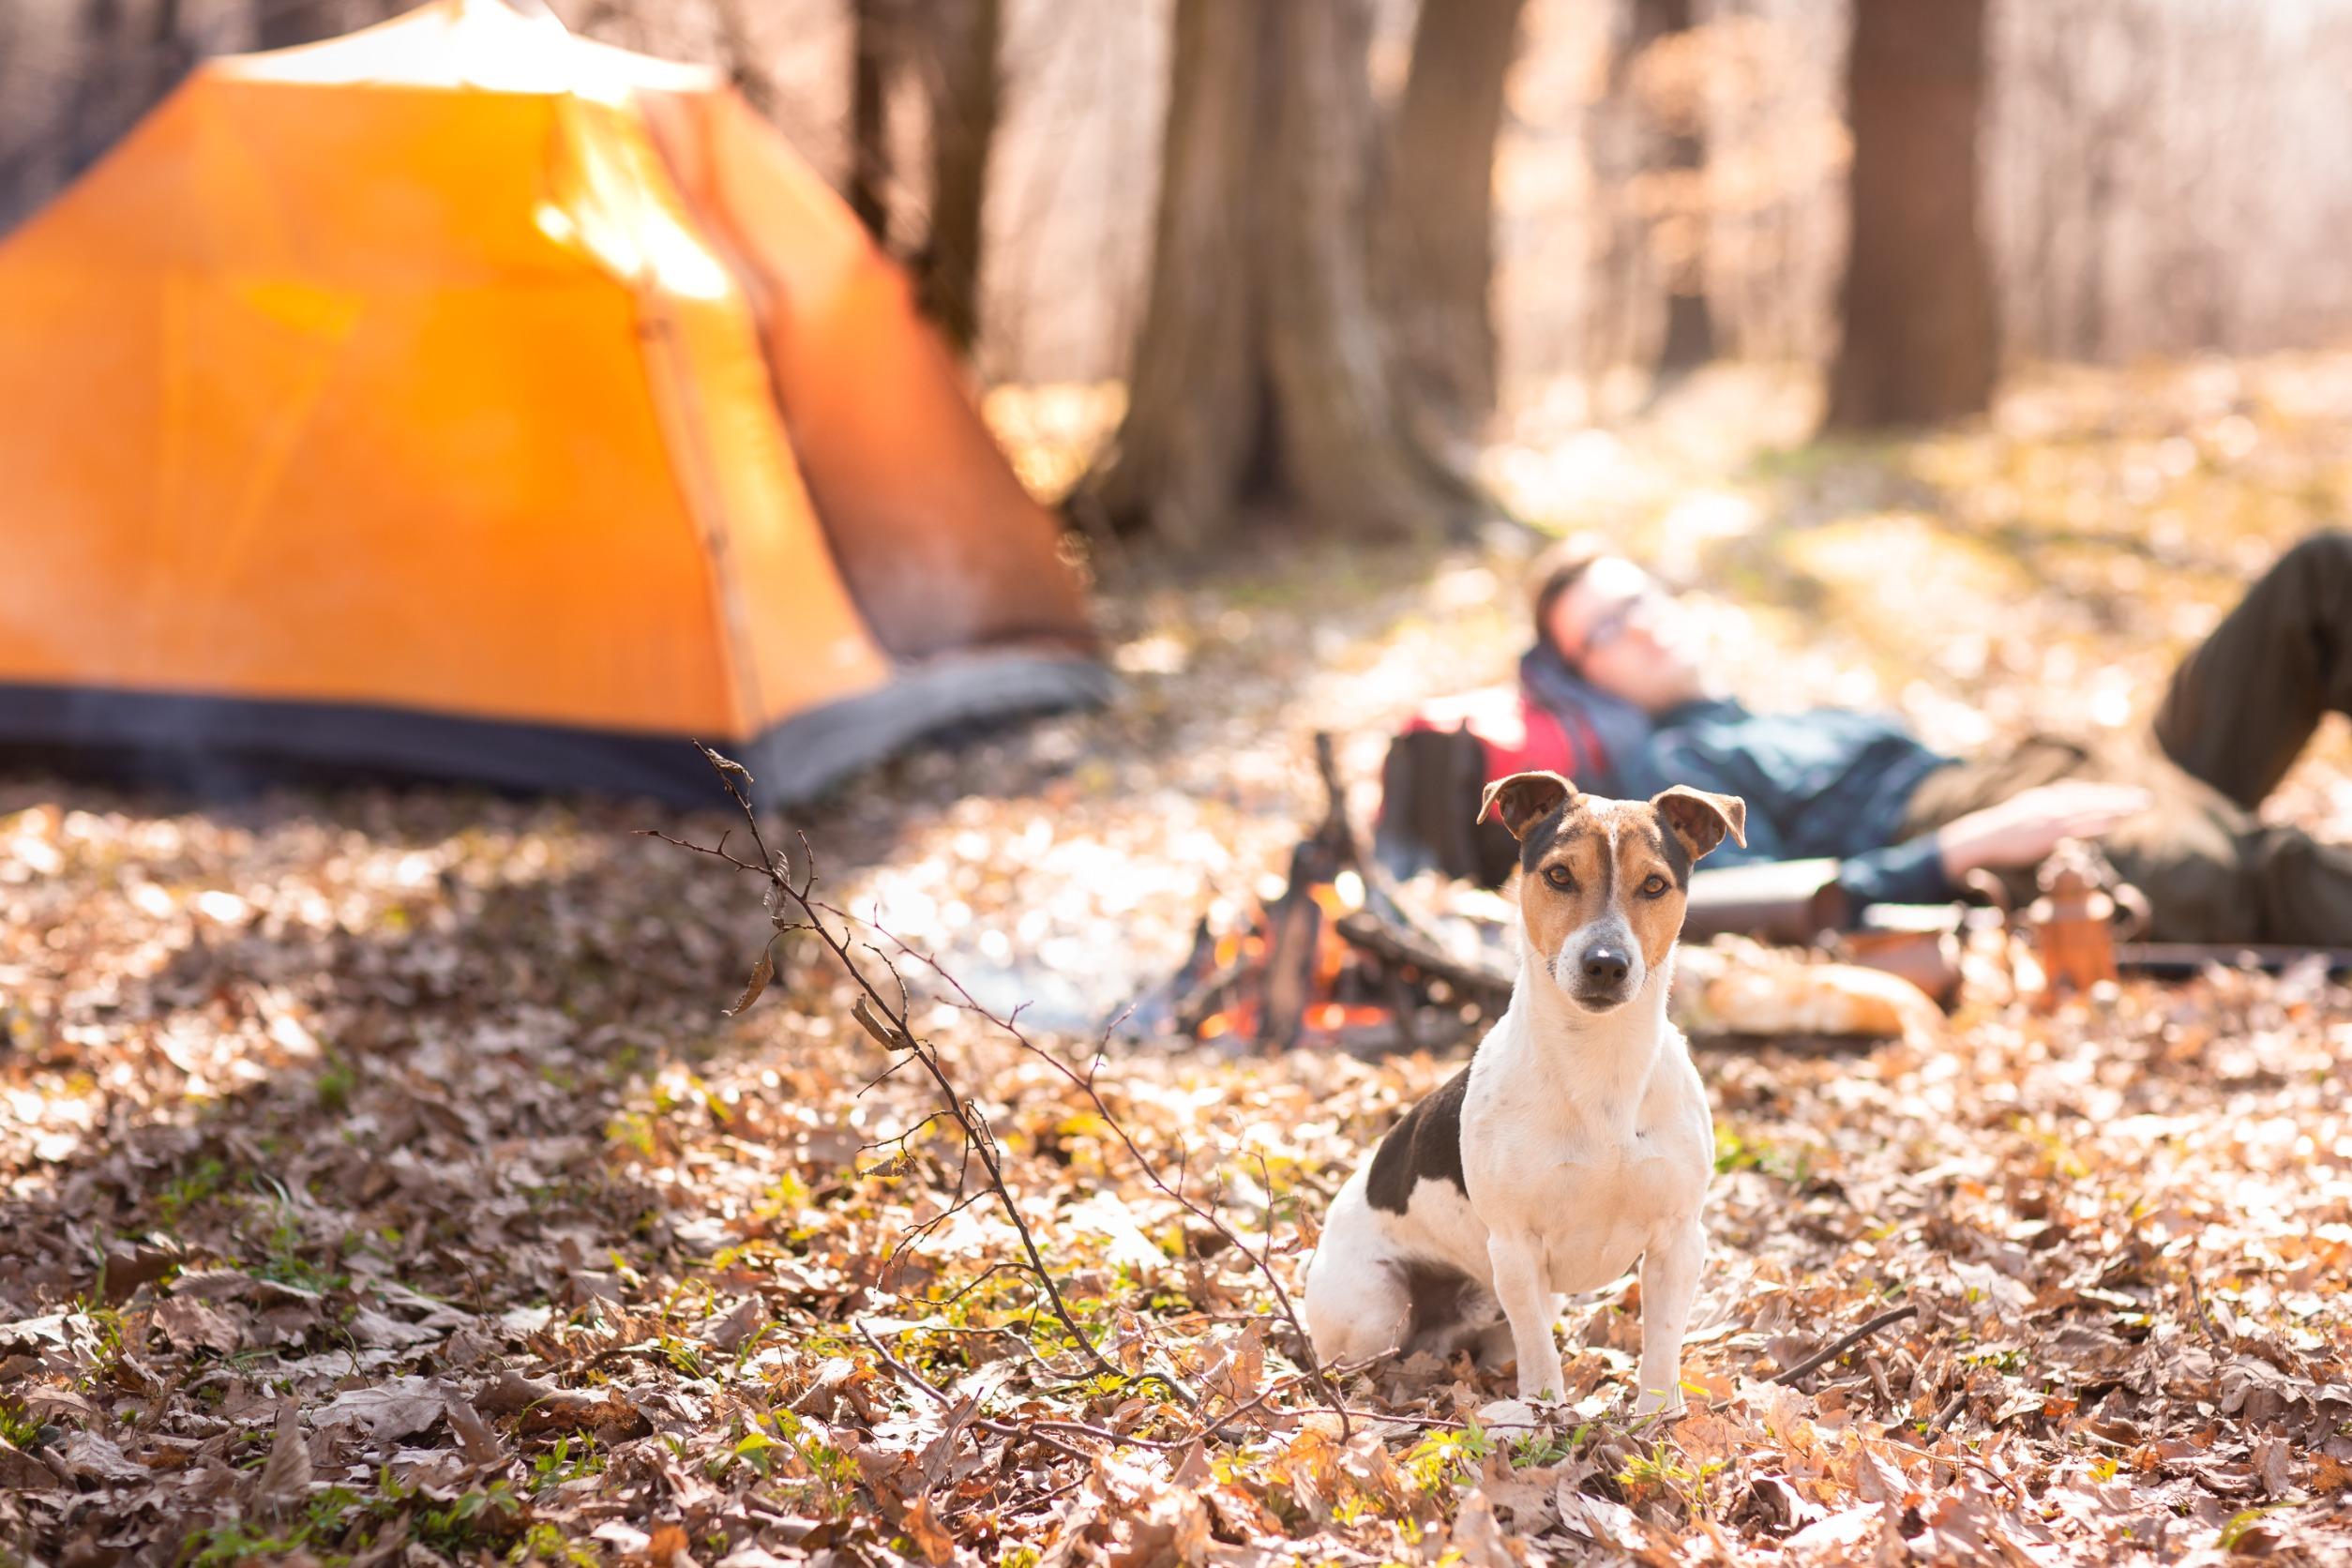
1577, 1140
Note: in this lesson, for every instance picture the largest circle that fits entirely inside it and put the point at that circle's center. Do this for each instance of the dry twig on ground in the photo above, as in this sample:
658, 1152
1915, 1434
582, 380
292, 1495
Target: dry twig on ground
886, 1019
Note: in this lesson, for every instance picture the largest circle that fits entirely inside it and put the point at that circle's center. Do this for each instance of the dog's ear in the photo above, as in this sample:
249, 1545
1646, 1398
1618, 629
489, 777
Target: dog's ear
1525, 799
1701, 820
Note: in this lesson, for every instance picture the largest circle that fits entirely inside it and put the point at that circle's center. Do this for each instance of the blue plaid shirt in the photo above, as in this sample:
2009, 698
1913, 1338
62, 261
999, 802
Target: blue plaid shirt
1828, 781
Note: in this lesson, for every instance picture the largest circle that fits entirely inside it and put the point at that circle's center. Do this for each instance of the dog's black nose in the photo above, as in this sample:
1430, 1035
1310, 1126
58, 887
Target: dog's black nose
1605, 964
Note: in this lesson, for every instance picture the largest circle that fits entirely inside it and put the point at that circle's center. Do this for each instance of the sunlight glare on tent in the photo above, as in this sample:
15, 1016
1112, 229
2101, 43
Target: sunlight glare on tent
681, 264
650, 248
554, 223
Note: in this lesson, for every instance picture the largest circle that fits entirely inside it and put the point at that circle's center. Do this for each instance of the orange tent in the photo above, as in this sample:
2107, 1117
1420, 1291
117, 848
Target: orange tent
464, 398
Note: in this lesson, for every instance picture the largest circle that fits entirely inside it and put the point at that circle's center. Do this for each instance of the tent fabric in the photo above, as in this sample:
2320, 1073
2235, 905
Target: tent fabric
939, 542
460, 397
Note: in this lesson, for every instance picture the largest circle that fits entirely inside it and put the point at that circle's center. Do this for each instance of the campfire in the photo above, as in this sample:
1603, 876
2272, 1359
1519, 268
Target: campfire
1337, 960
1293, 978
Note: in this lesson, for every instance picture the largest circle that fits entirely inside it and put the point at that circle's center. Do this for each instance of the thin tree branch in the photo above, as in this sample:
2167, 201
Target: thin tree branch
887, 1022
1004, 1429
1261, 1259
1813, 1364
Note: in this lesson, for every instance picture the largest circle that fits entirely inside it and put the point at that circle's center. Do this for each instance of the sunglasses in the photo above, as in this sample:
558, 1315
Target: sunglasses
1611, 623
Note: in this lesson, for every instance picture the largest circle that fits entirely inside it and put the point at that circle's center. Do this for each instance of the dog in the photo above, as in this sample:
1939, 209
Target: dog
1576, 1141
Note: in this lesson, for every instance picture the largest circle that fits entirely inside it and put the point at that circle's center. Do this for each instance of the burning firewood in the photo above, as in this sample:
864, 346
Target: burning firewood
1336, 959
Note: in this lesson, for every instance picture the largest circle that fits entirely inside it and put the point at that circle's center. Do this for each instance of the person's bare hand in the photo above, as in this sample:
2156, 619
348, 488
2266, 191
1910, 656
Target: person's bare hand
2025, 828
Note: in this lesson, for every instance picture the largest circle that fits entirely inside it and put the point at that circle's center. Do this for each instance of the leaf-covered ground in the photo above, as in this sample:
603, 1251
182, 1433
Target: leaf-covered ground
385, 1183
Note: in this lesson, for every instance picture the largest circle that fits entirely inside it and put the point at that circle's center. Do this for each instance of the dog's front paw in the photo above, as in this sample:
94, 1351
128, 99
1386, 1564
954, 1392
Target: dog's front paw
1538, 1385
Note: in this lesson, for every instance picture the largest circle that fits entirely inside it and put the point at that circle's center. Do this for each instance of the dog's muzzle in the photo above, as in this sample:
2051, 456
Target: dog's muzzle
1599, 967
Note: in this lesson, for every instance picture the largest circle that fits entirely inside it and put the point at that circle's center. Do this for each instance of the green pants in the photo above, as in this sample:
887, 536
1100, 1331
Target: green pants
2239, 711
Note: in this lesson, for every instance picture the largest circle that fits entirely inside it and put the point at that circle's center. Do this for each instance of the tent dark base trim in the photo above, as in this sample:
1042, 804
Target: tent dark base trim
213, 745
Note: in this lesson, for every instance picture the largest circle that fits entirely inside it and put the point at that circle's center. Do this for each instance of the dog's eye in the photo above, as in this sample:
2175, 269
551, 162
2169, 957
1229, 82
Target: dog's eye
1653, 887
1559, 876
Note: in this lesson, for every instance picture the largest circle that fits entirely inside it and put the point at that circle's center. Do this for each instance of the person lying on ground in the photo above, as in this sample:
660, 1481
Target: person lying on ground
1615, 665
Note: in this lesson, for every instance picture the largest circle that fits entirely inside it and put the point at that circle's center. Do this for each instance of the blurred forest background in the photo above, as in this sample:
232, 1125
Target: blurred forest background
2158, 176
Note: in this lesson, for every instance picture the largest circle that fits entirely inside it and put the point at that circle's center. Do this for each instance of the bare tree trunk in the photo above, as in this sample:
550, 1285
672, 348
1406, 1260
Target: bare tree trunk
2039, 280
131, 54
126, 55
1678, 238
1262, 370
1650, 153
1614, 275
744, 69
1347, 454
1195, 397
1434, 235
1690, 325
963, 88
283, 24
869, 86
1921, 331
2089, 333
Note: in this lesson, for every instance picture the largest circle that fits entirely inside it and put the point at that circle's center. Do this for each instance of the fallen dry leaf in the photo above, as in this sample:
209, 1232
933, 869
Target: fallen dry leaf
400, 1409
285, 1476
